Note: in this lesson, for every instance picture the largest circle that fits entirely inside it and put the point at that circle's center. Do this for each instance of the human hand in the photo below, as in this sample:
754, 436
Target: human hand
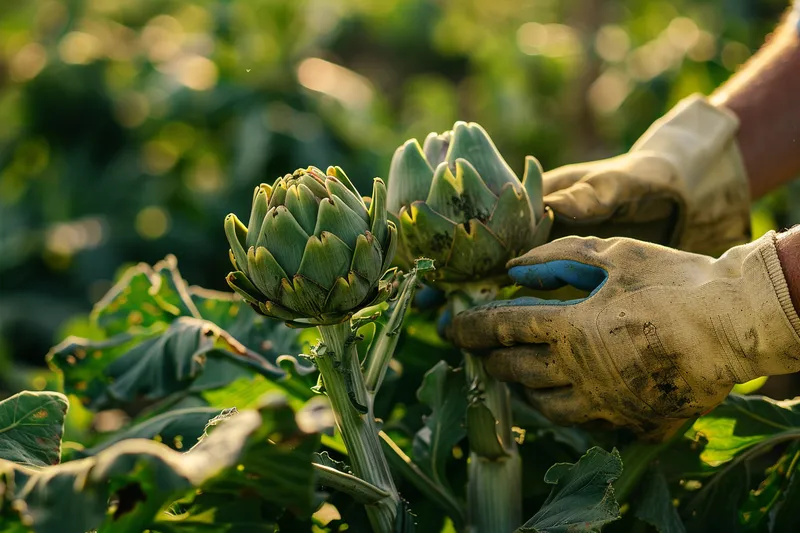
662, 336
683, 184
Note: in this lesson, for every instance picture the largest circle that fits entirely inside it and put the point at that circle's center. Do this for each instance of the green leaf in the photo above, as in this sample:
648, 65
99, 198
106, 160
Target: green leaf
715, 506
482, 432
31, 426
223, 416
324, 459
360, 490
761, 503
435, 492
263, 456
231, 516
168, 351
444, 391
144, 366
784, 516
388, 328
654, 505
530, 419
179, 429
583, 497
143, 297
270, 338
741, 422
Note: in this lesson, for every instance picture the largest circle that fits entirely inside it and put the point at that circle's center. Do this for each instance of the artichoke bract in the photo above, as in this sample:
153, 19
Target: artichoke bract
312, 253
459, 203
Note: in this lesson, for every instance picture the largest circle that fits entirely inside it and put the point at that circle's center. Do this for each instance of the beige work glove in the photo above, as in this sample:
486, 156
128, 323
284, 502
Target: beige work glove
662, 337
683, 184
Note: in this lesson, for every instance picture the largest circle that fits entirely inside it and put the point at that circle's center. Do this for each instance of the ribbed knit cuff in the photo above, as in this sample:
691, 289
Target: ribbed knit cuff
770, 255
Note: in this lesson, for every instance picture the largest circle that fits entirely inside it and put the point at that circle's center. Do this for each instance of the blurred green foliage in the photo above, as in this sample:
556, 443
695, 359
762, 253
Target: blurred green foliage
129, 129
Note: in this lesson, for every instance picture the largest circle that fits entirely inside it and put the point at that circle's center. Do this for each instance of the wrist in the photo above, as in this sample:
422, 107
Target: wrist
787, 246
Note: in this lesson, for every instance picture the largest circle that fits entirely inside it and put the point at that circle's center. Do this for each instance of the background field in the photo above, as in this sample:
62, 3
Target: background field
129, 129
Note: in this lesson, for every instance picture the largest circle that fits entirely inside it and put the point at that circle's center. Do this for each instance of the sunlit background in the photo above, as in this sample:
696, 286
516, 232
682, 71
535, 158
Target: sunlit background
128, 129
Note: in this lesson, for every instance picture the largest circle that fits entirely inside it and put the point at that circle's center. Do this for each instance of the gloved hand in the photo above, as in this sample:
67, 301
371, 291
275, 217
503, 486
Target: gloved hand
663, 335
683, 184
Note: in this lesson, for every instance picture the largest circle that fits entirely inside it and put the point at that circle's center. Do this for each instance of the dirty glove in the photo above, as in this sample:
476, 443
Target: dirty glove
683, 184
663, 335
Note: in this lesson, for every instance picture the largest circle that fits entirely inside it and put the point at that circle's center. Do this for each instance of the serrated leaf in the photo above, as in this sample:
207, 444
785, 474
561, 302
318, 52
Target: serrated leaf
145, 296
223, 416
31, 426
182, 341
583, 497
784, 517
270, 338
324, 458
741, 422
180, 429
143, 366
443, 390
762, 502
654, 505
261, 455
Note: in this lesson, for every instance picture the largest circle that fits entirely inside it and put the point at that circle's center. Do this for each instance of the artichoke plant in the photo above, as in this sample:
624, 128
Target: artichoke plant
459, 203
312, 253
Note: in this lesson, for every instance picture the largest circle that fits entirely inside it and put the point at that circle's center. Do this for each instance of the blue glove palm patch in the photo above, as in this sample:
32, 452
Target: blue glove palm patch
554, 275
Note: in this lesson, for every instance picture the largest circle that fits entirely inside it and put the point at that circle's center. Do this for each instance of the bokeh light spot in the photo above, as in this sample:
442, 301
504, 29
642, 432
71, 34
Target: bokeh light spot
612, 43
608, 91
704, 49
28, 62
152, 222
346, 86
733, 54
159, 156
79, 48
552, 40
196, 72
131, 109
205, 176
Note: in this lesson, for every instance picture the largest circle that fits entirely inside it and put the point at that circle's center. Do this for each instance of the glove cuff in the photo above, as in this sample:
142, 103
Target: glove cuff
777, 277
775, 334
699, 141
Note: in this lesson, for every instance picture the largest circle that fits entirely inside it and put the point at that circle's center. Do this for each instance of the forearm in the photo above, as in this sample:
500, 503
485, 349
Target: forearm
788, 248
765, 95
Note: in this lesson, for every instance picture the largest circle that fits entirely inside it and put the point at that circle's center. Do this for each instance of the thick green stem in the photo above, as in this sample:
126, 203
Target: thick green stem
344, 384
386, 337
495, 484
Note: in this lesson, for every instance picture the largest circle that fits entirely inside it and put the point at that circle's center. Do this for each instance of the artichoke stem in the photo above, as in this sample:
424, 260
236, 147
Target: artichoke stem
494, 485
344, 384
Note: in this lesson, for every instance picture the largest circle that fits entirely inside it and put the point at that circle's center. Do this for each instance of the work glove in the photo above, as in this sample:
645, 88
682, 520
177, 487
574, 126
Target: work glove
662, 336
683, 184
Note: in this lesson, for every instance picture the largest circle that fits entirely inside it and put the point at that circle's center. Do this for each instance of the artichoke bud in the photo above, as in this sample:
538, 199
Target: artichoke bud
458, 202
312, 252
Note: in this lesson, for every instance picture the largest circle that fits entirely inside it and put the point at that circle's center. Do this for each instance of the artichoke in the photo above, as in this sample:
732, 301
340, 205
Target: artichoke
313, 253
459, 203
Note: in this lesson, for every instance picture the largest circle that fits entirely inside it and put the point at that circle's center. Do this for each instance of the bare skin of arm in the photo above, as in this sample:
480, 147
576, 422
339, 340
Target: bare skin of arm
764, 94
788, 247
